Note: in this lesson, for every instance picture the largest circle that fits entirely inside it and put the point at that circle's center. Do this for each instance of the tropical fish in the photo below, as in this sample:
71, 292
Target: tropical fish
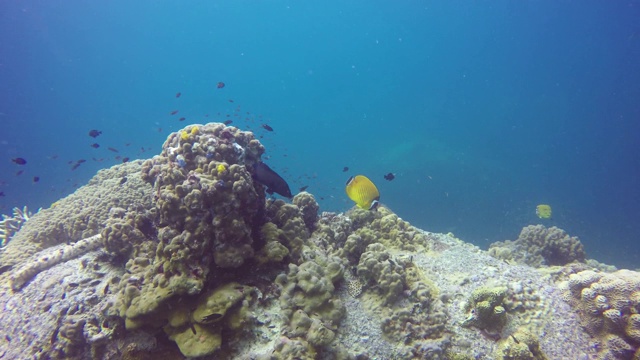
95, 133
345, 169
543, 211
36, 179
363, 192
228, 122
178, 95
304, 188
269, 178
267, 127
19, 161
390, 176
112, 149
125, 159
182, 118
95, 145
173, 112
220, 85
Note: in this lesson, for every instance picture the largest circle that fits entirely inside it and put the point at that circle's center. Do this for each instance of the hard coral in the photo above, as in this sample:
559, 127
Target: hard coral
486, 309
609, 308
537, 246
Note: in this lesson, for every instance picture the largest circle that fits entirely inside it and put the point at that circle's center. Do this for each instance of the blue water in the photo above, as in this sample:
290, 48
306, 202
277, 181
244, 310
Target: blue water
482, 109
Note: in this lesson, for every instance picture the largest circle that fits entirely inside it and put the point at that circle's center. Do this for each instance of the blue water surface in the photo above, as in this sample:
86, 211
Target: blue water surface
482, 110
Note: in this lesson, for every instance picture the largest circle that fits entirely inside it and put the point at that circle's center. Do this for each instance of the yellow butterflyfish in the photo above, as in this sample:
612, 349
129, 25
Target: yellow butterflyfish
363, 192
543, 211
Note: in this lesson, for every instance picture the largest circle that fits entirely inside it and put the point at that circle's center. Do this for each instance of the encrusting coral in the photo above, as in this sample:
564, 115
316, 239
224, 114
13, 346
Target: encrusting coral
538, 246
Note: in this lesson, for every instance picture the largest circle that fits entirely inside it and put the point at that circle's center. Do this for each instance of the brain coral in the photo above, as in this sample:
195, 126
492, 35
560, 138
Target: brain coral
609, 308
537, 246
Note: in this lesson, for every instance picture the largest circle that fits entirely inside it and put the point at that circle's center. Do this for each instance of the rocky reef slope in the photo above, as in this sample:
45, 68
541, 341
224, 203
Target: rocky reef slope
183, 256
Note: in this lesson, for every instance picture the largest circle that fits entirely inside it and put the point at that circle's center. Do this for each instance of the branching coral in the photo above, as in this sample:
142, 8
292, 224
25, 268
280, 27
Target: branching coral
9, 225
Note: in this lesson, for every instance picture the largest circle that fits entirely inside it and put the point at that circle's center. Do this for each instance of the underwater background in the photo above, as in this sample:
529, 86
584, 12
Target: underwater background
482, 110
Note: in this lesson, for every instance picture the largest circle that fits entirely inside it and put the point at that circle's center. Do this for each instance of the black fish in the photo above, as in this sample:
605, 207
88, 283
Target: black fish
2, 193
267, 127
269, 178
345, 169
304, 188
95, 145
19, 161
125, 159
389, 176
36, 179
228, 122
95, 133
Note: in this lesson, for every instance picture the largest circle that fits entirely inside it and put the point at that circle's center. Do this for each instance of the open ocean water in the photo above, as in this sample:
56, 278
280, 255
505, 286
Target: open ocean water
482, 110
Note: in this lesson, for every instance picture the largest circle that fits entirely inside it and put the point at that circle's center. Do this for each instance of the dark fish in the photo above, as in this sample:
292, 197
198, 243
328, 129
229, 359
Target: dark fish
112, 149
19, 172
178, 95
75, 166
267, 127
304, 188
269, 178
230, 100
345, 169
228, 122
390, 176
182, 119
173, 112
220, 85
36, 179
19, 161
95, 145
95, 133
124, 160
2, 193
81, 161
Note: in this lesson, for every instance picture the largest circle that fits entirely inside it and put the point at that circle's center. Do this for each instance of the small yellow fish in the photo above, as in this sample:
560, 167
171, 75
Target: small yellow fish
543, 211
221, 168
363, 192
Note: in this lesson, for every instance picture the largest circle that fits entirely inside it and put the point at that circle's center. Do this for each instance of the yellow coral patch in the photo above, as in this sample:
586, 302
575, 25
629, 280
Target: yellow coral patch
221, 168
184, 135
195, 130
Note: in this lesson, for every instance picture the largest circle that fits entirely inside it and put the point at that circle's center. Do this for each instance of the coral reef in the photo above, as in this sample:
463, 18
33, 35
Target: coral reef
81, 214
538, 246
207, 216
609, 308
184, 256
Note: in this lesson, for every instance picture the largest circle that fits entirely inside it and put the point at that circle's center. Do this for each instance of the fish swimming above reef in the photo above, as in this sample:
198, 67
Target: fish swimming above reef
267, 127
19, 161
345, 169
390, 176
269, 178
95, 133
363, 192
95, 145
543, 211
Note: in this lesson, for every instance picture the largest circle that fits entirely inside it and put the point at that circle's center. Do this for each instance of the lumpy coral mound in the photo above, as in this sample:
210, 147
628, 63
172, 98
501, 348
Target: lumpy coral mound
207, 213
538, 246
